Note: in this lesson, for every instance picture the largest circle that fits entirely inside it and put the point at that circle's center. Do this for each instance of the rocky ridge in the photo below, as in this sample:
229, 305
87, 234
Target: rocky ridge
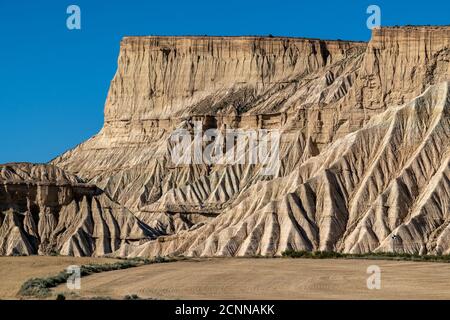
364, 151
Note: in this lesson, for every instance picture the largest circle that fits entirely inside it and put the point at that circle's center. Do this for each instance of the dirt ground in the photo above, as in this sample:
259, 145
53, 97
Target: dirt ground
16, 270
271, 279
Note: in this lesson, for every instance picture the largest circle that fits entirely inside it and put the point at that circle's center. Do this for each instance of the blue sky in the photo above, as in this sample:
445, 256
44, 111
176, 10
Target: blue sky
54, 81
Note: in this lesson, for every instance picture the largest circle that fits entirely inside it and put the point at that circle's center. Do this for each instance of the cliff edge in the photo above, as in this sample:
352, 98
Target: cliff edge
364, 147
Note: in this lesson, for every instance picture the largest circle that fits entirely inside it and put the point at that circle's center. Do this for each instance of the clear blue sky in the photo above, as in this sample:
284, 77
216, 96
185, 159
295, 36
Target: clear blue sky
53, 81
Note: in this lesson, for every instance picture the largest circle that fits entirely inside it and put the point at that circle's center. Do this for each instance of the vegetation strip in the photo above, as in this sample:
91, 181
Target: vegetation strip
372, 255
40, 287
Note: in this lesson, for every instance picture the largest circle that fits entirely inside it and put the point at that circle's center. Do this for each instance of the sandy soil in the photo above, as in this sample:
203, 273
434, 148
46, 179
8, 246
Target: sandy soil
272, 279
16, 270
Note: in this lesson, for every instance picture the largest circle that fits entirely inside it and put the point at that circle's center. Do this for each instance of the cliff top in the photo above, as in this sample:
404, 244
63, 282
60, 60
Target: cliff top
407, 28
240, 38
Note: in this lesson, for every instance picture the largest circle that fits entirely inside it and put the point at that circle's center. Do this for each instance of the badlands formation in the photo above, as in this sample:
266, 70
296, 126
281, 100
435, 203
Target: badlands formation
364, 152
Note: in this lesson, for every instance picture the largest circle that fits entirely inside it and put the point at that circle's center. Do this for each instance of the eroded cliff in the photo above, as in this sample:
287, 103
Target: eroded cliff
44, 210
361, 158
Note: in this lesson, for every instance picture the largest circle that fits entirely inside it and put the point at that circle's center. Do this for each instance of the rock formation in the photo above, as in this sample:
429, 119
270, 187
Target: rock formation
364, 150
44, 210
389, 178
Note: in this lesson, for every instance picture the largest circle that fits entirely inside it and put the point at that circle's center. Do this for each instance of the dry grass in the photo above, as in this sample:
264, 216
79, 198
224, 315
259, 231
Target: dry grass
271, 279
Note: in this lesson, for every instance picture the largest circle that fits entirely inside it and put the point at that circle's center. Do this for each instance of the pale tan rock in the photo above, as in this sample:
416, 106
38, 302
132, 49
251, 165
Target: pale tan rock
161, 80
358, 165
44, 210
390, 178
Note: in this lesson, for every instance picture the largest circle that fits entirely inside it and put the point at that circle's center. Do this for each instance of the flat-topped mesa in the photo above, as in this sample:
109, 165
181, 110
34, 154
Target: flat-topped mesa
352, 174
162, 79
164, 76
314, 91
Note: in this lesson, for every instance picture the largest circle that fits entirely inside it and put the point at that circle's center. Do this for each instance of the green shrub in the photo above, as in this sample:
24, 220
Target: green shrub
60, 296
54, 253
371, 255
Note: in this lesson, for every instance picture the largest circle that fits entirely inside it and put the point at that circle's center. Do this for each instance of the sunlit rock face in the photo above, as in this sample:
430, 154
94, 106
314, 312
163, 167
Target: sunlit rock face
389, 178
364, 149
44, 210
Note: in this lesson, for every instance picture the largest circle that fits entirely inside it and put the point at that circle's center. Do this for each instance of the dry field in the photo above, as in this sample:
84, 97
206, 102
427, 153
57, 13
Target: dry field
272, 279
16, 270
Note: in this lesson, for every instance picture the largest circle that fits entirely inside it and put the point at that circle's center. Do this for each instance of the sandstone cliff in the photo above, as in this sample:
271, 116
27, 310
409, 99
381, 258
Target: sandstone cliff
45, 210
389, 178
362, 159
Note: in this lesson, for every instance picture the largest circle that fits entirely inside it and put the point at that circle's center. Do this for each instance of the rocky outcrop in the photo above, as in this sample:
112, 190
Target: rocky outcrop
354, 168
385, 187
398, 65
161, 81
176, 76
44, 210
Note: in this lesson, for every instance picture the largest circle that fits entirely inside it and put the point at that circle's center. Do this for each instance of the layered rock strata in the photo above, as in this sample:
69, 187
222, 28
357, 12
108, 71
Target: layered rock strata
363, 150
44, 210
